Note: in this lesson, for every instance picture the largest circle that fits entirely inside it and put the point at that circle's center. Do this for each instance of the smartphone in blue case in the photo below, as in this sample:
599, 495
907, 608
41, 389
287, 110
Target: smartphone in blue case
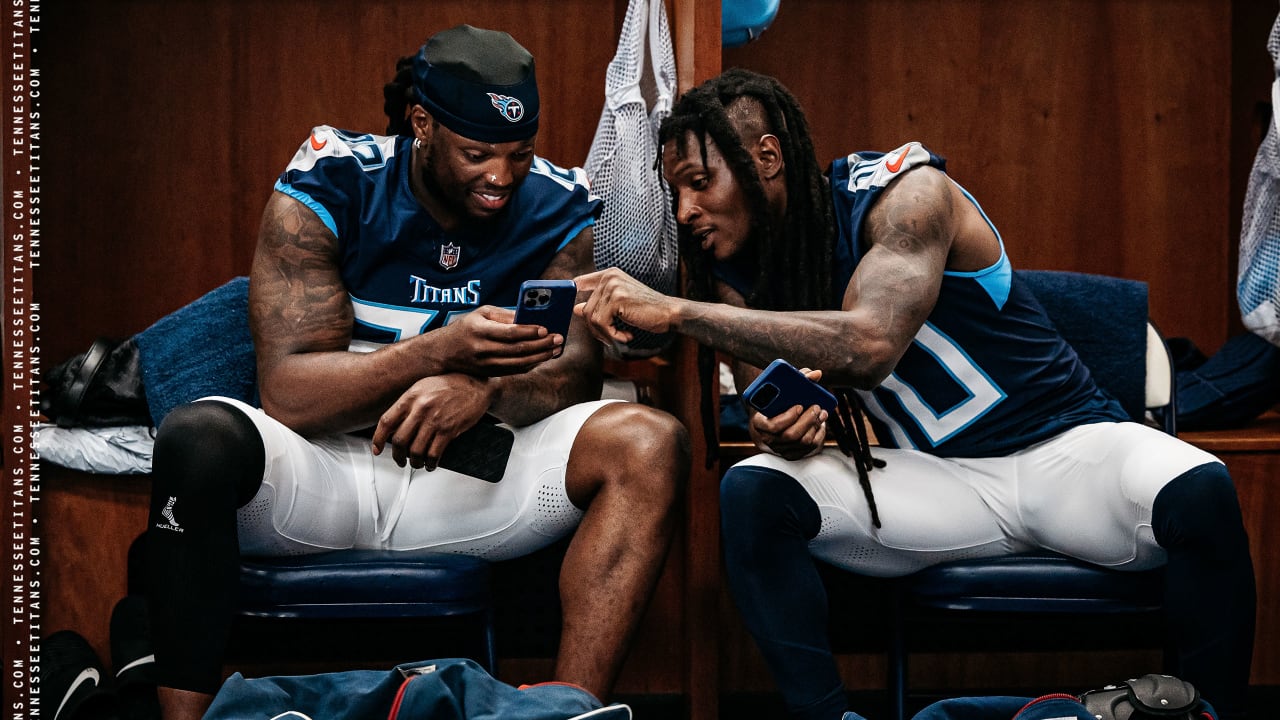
782, 386
548, 303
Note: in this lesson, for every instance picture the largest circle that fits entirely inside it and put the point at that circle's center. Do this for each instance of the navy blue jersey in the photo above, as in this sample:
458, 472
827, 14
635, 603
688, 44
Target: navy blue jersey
987, 374
406, 274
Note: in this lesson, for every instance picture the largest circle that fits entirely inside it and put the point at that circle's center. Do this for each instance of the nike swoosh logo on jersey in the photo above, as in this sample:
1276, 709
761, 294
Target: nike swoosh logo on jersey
892, 167
318, 146
86, 675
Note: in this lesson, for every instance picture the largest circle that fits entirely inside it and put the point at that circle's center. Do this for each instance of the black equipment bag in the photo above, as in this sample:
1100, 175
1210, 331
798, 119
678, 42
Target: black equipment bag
100, 387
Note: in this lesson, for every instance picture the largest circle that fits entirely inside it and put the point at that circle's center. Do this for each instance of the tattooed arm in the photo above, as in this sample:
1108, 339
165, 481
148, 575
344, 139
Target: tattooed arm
301, 317
918, 228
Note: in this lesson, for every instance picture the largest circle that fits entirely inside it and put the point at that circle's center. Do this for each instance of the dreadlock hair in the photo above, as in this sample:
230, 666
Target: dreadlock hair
792, 257
800, 247
398, 96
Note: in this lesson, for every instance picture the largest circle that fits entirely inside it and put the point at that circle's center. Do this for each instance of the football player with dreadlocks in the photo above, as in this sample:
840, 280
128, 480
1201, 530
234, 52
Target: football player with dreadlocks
886, 278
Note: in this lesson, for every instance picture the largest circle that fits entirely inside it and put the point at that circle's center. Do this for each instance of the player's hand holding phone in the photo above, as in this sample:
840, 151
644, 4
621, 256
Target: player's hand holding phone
487, 342
791, 410
548, 303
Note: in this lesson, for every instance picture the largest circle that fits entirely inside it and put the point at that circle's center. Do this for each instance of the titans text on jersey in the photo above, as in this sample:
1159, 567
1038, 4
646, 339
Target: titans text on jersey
468, 294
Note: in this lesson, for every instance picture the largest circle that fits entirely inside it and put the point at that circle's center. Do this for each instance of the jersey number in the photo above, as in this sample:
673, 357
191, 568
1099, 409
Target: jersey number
398, 322
364, 148
938, 426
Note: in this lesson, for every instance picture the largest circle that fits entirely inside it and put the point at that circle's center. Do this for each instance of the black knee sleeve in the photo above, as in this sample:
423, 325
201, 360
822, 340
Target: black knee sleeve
1210, 593
767, 520
1198, 509
209, 452
207, 462
756, 501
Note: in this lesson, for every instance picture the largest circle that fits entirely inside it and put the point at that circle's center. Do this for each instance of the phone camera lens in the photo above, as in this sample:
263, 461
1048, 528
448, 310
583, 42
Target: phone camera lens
765, 395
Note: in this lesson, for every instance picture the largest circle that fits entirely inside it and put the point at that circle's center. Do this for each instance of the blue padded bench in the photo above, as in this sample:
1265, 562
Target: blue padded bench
1044, 582
370, 584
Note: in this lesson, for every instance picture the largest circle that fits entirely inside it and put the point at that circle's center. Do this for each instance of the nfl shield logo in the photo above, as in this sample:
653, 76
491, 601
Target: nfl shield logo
449, 255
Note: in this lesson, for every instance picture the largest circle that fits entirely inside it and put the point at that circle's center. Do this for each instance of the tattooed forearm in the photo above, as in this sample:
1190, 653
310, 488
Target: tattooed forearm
528, 398
858, 345
835, 342
887, 300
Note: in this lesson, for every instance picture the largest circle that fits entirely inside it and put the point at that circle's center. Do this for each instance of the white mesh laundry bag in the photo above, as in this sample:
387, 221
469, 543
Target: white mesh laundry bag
1258, 285
636, 230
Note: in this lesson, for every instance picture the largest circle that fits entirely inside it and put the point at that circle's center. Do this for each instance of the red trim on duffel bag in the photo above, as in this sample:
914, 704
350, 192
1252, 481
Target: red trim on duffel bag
1044, 698
395, 705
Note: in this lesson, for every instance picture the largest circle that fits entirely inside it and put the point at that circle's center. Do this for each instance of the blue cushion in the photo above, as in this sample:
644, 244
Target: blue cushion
1105, 320
203, 348
364, 584
1035, 582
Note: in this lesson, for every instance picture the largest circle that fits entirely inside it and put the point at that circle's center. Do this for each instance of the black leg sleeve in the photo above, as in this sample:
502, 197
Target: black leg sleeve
208, 461
767, 520
1210, 596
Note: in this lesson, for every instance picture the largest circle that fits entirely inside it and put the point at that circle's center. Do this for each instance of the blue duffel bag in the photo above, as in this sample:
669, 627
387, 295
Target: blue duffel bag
450, 689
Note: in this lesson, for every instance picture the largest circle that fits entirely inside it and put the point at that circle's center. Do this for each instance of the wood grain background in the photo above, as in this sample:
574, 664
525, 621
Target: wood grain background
1108, 136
